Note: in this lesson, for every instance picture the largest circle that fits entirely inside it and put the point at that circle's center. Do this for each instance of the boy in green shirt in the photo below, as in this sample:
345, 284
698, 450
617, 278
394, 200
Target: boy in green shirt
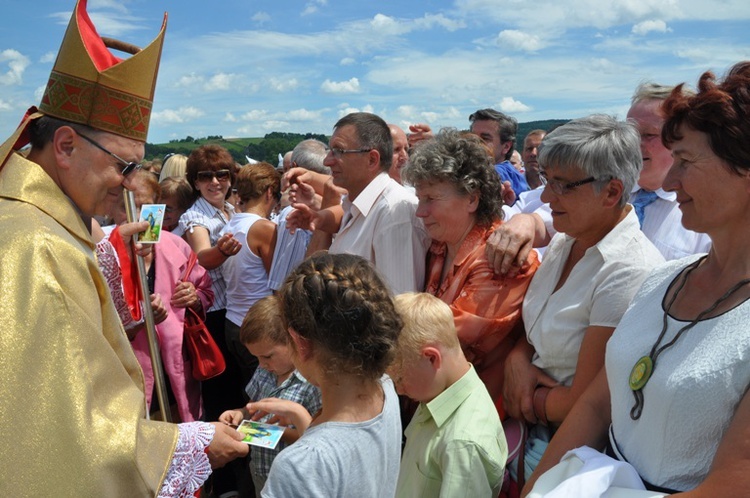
455, 444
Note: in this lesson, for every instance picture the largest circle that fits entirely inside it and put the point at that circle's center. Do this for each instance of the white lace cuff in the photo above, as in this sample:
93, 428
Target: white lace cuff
189, 468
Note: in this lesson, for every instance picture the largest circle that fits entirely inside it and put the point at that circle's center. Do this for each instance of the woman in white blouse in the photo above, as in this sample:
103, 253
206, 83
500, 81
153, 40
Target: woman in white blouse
590, 272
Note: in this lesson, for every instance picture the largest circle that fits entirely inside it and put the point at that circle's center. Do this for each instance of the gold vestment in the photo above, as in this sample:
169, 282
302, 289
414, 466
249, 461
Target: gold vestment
71, 390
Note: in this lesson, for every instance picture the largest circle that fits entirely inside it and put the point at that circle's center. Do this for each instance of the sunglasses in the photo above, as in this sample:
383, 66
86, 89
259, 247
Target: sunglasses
222, 175
127, 166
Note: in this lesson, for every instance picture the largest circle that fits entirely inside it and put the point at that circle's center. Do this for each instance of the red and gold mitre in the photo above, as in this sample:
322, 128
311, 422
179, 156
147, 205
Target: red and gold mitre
91, 86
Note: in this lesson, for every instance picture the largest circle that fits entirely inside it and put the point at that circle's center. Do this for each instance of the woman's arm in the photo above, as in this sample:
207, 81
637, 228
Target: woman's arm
521, 379
586, 424
590, 361
730, 470
261, 239
209, 256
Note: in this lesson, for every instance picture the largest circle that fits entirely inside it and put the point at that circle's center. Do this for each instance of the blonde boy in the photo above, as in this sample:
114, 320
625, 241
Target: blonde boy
264, 335
455, 444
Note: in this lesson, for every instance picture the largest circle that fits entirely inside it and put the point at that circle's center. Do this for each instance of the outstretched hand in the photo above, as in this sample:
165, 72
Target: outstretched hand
418, 132
284, 412
302, 217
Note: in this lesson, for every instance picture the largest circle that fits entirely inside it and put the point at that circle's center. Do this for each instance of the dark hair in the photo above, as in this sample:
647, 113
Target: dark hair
463, 160
720, 110
373, 133
340, 304
209, 157
264, 321
254, 179
42, 130
507, 126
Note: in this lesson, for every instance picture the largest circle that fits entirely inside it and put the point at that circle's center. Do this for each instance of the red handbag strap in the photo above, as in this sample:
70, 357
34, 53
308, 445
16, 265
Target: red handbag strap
191, 263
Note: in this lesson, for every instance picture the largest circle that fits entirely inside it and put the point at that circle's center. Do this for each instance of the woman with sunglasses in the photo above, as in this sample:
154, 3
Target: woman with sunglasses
590, 272
246, 275
209, 170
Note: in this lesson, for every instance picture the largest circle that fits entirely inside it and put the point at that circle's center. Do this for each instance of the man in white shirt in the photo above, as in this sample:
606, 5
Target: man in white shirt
658, 211
379, 221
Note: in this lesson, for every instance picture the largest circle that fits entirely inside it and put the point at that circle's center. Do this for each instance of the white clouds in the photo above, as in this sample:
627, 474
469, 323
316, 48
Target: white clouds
181, 115
5, 106
220, 81
517, 40
261, 17
16, 63
48, 57
406, 111
215, 83
303, 115
348, 110
645, 27
189, 80
511, 105
280, 85
265, 68
350, 86
313, 6
255, 115
431, 20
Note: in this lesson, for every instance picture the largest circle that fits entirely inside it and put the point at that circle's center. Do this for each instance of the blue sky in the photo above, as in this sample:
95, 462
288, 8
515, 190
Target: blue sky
245, 68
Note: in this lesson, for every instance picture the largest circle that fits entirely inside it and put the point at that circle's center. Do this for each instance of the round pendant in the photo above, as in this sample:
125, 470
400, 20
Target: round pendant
641, 373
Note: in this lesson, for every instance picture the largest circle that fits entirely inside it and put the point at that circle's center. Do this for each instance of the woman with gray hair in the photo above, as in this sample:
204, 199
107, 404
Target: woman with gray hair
591, 270
459, 196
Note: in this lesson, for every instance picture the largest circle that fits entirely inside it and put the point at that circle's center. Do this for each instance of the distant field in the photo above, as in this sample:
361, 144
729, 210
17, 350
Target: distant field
269, 147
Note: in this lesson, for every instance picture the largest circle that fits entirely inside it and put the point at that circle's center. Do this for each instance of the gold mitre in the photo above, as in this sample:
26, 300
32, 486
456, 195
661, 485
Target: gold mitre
91, 86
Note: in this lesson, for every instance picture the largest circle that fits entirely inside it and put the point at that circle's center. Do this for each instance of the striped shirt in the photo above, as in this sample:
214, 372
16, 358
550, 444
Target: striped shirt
203, 214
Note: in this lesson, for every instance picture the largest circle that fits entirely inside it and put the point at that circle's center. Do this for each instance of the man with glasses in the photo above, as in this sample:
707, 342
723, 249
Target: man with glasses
72, 389
379, 221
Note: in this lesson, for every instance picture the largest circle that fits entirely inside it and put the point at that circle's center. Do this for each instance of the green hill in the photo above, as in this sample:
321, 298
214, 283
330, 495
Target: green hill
269, 147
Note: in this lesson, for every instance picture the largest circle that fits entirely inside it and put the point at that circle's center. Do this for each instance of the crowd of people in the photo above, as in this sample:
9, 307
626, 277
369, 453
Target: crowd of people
443, 313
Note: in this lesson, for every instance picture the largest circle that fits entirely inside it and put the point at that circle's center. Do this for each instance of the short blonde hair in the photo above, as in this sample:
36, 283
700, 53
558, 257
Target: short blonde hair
427, 321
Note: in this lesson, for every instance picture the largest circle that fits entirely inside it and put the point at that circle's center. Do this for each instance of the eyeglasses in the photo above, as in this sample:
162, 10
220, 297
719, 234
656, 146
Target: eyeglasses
561, 188
222, 175
127, 166
337, 153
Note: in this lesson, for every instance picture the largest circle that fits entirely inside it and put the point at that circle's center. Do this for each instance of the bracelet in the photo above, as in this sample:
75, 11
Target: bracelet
540, 404
223, 253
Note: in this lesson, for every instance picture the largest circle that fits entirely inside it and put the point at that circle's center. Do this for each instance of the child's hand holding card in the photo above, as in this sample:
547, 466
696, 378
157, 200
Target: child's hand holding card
259, 434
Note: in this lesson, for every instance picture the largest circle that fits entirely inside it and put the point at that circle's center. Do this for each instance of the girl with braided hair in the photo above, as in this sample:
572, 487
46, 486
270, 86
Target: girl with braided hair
343, 327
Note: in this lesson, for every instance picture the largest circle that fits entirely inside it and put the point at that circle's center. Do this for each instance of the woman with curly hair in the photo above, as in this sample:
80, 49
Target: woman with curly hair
343, 328
460, 204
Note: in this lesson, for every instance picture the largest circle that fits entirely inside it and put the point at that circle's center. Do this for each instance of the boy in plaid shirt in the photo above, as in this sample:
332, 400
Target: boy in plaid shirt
264, 335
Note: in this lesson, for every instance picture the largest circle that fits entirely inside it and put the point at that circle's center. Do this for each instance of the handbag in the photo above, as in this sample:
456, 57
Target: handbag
205, 355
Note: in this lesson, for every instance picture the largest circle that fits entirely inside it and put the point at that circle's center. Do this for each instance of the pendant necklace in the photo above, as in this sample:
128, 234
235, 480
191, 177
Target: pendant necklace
644, 367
